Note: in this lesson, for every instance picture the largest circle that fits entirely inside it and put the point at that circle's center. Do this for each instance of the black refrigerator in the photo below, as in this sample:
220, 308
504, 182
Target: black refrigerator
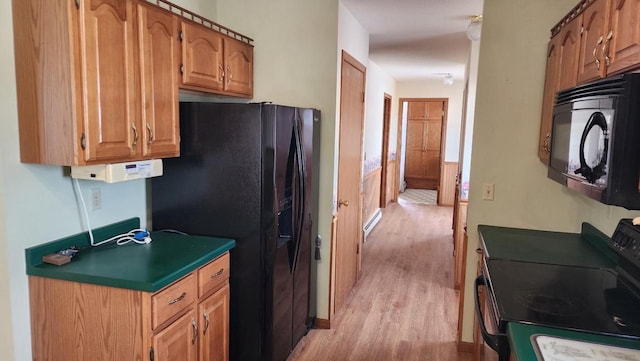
245, 172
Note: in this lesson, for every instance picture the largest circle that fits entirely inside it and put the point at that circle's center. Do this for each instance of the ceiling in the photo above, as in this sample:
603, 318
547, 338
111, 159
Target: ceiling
417, 39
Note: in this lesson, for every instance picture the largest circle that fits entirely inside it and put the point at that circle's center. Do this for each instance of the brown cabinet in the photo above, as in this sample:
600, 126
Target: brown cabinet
98, 80
424, 134
159, 77
611, 41
562, 60
596, 39
215, 62
79, 68
186, 321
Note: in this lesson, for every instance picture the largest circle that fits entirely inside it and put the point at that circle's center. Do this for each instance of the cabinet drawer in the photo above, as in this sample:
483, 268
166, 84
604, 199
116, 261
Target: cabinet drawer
173, 299
212, 275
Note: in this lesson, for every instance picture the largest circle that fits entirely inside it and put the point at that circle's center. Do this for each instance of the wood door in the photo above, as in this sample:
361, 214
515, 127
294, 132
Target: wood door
214, 321
111, 113
238, 61
202, 58
594, 23
424, 142
159, 51
348, 229
569, 52
623, 41
178, 341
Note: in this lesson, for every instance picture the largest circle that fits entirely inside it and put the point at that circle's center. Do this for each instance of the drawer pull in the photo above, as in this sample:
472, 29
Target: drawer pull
194, 324
182, 296
206, 322
217, 273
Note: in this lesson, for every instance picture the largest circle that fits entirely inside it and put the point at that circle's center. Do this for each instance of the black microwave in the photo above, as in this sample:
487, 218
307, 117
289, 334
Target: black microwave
595, 140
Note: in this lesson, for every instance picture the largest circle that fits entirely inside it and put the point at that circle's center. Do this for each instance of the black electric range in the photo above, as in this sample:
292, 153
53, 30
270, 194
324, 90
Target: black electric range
597, 300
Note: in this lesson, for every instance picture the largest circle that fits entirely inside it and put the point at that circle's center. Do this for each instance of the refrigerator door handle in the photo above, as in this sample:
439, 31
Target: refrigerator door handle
300, 187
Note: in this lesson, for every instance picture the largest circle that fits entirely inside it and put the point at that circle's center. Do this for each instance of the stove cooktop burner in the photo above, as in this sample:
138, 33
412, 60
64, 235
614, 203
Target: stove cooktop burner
578, 298
553, 305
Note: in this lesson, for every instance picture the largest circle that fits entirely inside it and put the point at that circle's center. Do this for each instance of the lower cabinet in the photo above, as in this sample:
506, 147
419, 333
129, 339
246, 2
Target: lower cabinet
187, 320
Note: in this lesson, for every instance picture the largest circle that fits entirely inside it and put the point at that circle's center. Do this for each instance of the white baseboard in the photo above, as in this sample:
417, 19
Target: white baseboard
377, 216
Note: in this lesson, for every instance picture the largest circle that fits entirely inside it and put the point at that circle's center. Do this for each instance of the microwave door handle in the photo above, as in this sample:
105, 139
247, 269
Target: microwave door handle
493, 341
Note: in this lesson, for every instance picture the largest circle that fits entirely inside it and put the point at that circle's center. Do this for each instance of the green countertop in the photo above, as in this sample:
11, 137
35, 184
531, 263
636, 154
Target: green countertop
148, 267
521, 342
588, 248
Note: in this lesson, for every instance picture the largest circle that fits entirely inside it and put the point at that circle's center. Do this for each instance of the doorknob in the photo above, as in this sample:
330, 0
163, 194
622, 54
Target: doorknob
343, 202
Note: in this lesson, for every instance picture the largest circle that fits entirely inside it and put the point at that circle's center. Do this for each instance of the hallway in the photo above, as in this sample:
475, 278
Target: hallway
404, 306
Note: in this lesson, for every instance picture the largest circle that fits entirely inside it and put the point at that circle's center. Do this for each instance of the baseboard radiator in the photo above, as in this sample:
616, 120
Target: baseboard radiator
377, 216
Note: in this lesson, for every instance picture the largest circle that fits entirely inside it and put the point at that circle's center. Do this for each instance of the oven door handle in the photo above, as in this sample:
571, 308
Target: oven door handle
494, 341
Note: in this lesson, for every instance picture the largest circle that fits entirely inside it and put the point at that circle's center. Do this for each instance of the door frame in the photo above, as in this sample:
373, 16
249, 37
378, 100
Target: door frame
352, 61
384, 161
443, 133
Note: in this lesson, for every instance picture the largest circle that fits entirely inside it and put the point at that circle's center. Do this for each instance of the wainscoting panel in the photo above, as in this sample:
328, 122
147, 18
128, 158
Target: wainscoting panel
371, 194
448, 186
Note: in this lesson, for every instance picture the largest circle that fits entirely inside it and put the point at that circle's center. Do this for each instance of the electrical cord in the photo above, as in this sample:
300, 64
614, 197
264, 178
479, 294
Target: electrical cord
138, 235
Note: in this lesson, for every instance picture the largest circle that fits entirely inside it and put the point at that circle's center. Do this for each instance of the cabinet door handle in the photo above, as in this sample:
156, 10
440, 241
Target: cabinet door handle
206, 322
217, 273
343, 202
150, 134
221, 71
595, 52
229, 74
547, 143
194, 324
135, 134
182, 296
605, 50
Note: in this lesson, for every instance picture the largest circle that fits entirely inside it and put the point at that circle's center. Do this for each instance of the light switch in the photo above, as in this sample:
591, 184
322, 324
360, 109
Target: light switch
488, 190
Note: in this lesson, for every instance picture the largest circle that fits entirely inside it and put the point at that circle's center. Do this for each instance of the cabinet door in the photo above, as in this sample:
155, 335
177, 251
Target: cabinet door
214, 318
569, 52
416, 134
551, 83
202, 58
594, 25
238, 60
159, 51
110, 99
179, 341
623, 42
417, 110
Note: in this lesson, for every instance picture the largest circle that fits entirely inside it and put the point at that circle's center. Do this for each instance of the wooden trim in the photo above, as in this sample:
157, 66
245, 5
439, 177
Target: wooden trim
371, 196
332, 269
396, 191
386, 124
465, 346
323, 324
447, 189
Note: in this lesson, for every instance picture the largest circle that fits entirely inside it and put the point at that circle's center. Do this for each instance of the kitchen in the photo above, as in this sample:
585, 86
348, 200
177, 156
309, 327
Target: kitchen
38, 201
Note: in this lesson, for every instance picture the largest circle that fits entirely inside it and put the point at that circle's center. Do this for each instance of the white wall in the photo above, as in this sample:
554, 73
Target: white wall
468, 122
295, 63
379, 83
40, 205
511, 71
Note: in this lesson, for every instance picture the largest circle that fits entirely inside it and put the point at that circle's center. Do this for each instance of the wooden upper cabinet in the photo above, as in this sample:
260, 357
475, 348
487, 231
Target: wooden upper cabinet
424, 135
569, 53
610, 39
238, 59
98, 80
202, 59
215, 62
159, 78
594, 27
622, 51
107, 40
563, 54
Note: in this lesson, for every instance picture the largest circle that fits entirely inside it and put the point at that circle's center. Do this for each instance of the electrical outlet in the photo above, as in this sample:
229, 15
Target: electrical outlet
96, 199
488, 190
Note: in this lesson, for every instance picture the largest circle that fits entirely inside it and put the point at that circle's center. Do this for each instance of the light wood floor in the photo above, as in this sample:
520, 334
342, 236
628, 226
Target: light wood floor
404, 307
